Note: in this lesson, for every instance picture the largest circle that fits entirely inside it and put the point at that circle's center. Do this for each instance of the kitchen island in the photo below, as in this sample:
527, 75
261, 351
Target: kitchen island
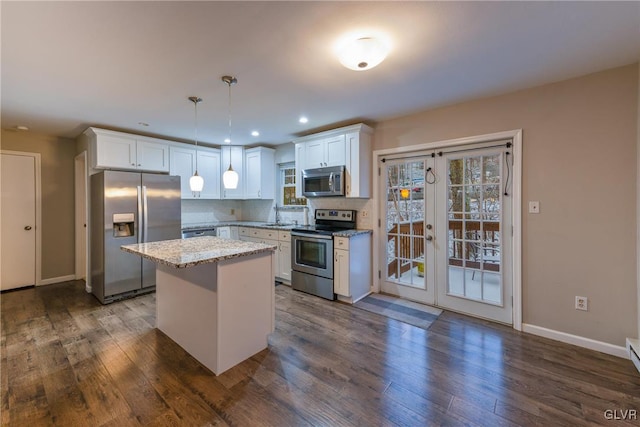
214, 297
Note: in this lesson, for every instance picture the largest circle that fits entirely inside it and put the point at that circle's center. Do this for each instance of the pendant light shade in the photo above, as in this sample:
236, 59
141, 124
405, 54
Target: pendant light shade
230, 177
196, 182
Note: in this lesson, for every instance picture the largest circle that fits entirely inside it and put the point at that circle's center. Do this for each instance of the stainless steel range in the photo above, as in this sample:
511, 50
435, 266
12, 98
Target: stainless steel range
312, 251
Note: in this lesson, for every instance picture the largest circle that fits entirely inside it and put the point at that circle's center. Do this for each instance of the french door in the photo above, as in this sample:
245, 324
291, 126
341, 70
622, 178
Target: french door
448, 231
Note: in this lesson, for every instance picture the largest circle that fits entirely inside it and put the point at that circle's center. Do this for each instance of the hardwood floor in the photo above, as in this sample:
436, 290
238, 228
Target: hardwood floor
69, 361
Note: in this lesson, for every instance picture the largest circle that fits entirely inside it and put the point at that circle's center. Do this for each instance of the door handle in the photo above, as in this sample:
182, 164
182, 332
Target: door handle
28, 227
429, 238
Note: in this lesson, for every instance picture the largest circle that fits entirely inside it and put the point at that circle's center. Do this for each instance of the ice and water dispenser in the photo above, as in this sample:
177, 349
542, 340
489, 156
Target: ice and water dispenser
123, 225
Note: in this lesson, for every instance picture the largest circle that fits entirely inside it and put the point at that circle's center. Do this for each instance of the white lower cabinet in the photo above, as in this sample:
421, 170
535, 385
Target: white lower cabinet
227, 232
352, 267
279, 238
284, 256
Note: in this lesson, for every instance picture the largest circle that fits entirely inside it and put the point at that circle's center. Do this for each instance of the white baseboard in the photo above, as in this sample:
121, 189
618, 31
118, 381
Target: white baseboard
59, 279
603, 347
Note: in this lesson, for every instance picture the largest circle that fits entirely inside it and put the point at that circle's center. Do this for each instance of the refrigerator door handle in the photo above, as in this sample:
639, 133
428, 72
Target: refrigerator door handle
146, 210
139, 214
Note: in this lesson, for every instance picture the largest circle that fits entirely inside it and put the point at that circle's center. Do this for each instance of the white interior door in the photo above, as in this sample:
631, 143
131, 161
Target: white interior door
445, 242
18, 212
408, 262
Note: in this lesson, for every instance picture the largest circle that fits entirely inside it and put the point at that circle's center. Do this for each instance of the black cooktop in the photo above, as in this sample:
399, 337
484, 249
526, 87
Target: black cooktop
328, 221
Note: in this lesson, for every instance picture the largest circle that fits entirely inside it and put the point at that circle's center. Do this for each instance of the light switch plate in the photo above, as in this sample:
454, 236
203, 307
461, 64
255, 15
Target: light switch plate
534, 207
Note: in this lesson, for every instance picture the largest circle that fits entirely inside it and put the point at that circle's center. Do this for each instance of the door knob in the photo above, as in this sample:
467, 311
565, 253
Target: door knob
28, 227
429, 238
429, 226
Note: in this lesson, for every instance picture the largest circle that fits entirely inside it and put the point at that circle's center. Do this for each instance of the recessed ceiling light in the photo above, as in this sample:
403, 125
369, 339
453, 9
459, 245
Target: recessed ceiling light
303, 119
255, 133
22, 128
143, 124
227, 140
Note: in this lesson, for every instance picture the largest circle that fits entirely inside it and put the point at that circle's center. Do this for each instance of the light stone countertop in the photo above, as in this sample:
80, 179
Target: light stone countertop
254, 224
258, 224
184, 253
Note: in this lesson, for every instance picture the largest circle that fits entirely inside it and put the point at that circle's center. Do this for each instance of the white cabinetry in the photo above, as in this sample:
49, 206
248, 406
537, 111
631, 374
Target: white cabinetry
325, 152
182, 160
118, 150
235, 156
349, 146
284, 256
352, 267
279, 238
227, 232
260, 173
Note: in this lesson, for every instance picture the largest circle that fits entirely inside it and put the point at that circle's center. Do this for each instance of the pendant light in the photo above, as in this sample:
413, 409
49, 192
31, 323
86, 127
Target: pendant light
196, 182
230, 177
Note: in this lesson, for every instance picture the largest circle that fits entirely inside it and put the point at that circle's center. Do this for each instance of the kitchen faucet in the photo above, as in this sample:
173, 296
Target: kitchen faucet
277, 214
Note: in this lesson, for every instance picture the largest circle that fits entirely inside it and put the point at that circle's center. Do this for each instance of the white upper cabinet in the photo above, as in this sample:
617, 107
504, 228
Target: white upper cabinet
118, 150
325, 152
260, 169
349, 146
182, 159
235, 155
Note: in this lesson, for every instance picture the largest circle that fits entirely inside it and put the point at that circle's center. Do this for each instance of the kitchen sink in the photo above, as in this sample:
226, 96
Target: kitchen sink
277, 224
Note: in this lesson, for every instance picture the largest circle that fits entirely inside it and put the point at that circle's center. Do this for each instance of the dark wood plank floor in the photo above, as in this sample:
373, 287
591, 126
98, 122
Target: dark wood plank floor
69, 361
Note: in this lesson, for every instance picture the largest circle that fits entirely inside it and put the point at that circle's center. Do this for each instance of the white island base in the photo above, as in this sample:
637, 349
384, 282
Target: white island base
221, 313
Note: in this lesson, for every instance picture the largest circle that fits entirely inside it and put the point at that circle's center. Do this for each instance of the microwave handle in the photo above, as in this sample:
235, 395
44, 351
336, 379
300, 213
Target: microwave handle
331, 181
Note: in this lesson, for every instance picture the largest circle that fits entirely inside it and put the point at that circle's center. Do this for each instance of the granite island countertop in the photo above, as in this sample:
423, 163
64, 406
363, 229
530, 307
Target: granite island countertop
184, 253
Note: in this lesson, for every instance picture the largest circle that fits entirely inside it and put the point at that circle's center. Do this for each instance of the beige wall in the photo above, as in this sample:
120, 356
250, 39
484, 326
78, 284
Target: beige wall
579, 161
57, 157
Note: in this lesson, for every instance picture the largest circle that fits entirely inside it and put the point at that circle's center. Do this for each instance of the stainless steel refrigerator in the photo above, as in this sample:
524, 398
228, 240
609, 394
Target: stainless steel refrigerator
126, 208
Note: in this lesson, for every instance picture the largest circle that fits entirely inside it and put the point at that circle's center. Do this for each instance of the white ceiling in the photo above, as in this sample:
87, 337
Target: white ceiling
69, 65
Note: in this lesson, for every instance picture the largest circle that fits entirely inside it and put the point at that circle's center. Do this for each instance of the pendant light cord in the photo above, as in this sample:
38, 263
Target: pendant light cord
195, 104
229, 112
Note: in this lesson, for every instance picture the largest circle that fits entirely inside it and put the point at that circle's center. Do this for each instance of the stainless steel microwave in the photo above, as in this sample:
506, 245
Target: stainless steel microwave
323, 182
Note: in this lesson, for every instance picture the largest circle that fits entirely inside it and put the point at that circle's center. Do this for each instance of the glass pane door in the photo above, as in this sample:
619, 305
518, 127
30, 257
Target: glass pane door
408, 263
473, 226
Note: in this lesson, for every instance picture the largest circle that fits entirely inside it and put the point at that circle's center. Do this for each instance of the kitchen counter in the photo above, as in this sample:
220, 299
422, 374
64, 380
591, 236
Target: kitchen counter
255, 224
214, 297
258, 224
185, 253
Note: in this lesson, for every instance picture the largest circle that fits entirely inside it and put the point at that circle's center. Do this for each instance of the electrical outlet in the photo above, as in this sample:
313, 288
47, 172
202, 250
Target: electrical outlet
582, 303
365, 214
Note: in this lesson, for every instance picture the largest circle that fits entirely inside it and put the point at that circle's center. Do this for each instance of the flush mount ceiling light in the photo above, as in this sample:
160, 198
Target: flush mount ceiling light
230, 177
196, 182
362, 53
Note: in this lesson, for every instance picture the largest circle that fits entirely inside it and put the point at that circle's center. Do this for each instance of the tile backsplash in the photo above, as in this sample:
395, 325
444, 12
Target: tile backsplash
208, 211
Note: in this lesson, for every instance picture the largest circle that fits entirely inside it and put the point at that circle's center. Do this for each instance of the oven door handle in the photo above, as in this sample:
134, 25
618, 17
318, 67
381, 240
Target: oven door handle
312, 236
